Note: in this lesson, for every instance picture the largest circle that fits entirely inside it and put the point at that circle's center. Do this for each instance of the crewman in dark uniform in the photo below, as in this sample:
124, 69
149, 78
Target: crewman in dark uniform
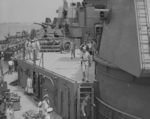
73, 47
93, 48
15, 64
61, 46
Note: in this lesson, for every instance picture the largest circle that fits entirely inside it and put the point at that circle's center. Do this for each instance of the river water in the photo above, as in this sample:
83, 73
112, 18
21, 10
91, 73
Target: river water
14, 27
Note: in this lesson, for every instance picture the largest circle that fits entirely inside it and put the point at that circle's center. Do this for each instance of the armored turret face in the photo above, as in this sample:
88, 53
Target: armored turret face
48, 20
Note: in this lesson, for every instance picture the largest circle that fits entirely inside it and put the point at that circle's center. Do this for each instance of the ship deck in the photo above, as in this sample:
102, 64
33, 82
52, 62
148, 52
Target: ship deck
62, 64
59, 63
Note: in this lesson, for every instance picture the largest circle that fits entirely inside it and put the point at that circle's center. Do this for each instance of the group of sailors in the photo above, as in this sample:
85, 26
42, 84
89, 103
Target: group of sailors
44, 110
32, 47
6, 106
88, 50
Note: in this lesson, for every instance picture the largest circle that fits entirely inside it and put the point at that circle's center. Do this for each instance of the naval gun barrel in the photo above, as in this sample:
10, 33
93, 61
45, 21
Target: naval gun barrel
47, 24
44, 24
38, 23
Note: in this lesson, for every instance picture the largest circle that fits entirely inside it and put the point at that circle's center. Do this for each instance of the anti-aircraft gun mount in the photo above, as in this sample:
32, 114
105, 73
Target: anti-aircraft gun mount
45, 28
51, 39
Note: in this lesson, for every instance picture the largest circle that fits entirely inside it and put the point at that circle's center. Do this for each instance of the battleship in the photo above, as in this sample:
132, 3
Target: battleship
119, 76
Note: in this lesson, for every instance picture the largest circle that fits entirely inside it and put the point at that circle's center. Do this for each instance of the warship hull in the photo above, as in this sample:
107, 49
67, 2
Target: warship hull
120, 95
61, 78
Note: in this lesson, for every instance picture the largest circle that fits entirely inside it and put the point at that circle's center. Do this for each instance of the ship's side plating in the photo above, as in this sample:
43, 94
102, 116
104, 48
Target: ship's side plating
64, 94
119, 92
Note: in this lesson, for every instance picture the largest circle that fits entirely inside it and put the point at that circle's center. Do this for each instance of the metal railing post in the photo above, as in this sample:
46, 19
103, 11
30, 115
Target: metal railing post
34, 57
23, 53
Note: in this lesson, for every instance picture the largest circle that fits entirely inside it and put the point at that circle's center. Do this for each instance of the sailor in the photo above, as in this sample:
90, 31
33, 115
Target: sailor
46, 102
89, 38
15, 64
61, 46
86, 107
29, 88
89, 44
41, 115
28, 49
40, 111
35, 48
73, 46
85, 63
49, 111
40, 106
10, 111
94, 47
38, 48
85, 37
10, 66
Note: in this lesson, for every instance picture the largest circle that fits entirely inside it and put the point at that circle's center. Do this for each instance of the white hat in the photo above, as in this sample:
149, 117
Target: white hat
84, 48
49, 109
40, 103
46, 96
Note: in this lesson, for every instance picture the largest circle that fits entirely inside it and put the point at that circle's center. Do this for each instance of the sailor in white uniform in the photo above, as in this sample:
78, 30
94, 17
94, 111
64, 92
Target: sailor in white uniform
40, 106
28, 49
29, 88
85, 63
33, 45
10, 111
41, 112
46, 103
49, 111
36, 48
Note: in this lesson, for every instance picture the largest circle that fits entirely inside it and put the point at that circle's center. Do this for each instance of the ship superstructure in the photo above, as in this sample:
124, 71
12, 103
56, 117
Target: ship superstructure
119, 76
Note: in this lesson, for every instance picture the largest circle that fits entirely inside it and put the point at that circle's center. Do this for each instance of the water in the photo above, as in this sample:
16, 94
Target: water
13, 28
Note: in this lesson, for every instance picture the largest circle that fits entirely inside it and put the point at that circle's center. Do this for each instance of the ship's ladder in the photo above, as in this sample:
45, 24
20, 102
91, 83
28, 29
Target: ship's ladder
143, 30
83, 90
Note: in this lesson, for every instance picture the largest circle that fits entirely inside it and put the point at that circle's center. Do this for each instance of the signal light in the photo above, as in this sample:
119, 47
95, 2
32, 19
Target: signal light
102, 14
105, 14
